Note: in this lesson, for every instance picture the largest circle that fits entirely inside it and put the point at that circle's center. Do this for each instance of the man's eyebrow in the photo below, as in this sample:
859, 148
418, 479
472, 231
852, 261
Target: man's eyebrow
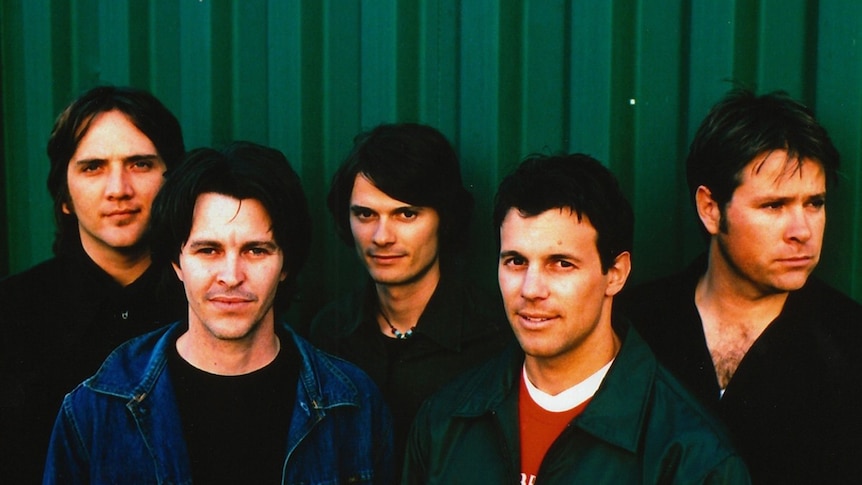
509, 253
87, 161
412, 208
131, 158
788, 198
360, 208
203, 243
142, 157
268, 244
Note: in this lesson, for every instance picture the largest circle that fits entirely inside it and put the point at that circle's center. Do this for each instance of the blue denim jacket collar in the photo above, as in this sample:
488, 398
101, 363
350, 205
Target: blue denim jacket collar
135, 373
132, 370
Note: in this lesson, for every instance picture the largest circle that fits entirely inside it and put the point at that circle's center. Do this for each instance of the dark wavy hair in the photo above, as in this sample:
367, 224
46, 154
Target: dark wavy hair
242, 170
146, 112
577, 182
742, 127
412, 163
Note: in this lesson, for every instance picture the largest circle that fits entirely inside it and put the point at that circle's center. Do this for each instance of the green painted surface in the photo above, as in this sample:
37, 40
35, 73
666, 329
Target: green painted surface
625, 81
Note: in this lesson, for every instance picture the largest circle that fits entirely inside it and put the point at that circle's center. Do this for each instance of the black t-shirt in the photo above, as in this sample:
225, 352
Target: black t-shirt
235, 427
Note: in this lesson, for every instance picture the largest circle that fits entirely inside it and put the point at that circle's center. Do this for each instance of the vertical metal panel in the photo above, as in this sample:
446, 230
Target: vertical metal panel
658, 104
838, 82
627, 81
27, 118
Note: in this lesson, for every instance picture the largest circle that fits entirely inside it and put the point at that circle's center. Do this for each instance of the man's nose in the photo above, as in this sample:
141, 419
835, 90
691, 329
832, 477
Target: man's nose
533, 285
383, 233
230, 271
118, 184
799, 224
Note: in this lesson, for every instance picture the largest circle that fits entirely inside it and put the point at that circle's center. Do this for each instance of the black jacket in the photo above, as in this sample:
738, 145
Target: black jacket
793, 405
459, 328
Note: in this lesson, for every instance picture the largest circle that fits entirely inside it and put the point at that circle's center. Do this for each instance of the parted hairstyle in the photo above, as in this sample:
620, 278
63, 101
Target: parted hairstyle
575, 182
144, 111
742, 127
242, 170
412, 163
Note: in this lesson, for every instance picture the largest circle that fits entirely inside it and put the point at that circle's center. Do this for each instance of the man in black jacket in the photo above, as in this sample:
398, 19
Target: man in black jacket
416, 322
774, 352
109, 151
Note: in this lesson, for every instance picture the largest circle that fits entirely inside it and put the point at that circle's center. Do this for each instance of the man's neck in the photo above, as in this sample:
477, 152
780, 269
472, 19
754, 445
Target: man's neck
228, 357
722, 292
733, 314
403, 304
124, 266
555, 375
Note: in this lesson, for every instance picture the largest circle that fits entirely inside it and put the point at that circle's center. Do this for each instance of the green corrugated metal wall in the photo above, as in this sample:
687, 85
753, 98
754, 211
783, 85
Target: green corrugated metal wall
626, 81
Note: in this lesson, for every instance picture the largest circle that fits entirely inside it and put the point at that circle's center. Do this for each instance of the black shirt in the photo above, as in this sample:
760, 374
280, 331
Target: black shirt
792, 405
58, 321
235, 427
459, 328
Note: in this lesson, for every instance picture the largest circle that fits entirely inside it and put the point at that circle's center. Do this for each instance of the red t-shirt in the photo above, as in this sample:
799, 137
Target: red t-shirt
538, 430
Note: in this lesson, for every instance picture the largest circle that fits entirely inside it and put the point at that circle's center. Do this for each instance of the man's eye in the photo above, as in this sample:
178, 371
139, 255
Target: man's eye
91, 167
514, 261
773, 205
143, 164
409, 214
362, 213
818, 202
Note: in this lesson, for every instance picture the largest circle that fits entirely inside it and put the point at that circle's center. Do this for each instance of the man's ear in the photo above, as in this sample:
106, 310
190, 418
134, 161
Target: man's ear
707, 209
618, 273
177, 270
65, 207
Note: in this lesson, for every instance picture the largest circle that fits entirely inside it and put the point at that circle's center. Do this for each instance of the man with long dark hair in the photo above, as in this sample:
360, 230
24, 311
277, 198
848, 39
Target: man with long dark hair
416, 323
109, 151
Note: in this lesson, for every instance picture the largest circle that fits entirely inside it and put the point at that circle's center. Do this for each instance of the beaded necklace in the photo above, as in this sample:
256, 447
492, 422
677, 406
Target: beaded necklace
395, 331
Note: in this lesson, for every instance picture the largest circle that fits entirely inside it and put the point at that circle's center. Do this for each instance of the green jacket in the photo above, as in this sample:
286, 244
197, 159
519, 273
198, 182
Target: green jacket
641, 427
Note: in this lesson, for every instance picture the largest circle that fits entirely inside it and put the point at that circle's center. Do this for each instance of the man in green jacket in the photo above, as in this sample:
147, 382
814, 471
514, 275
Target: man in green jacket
583, 400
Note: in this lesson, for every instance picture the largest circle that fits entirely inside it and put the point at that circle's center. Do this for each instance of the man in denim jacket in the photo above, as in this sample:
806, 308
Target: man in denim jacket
229, 395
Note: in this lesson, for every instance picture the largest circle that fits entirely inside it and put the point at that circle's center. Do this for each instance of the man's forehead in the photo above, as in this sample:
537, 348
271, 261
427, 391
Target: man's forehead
777, 169
366, 193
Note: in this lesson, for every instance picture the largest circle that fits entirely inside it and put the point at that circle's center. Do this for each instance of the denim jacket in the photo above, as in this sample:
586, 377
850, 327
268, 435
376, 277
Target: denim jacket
122, 425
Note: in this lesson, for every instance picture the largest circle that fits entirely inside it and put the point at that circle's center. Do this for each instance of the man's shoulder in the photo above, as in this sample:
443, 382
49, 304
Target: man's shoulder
476, 390
638, 382
665, 290
125, 368
675, 419
658, 308
338, 317
676, 406
831, 320
818, 293
32, 281
328, 366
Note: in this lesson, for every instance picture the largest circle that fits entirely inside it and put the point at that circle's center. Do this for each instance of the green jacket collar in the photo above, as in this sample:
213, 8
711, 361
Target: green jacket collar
616, 413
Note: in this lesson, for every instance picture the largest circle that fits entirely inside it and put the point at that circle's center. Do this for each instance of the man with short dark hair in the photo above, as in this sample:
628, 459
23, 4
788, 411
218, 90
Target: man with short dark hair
227, 395
582, 400
415, 324
774, 352
108, 151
